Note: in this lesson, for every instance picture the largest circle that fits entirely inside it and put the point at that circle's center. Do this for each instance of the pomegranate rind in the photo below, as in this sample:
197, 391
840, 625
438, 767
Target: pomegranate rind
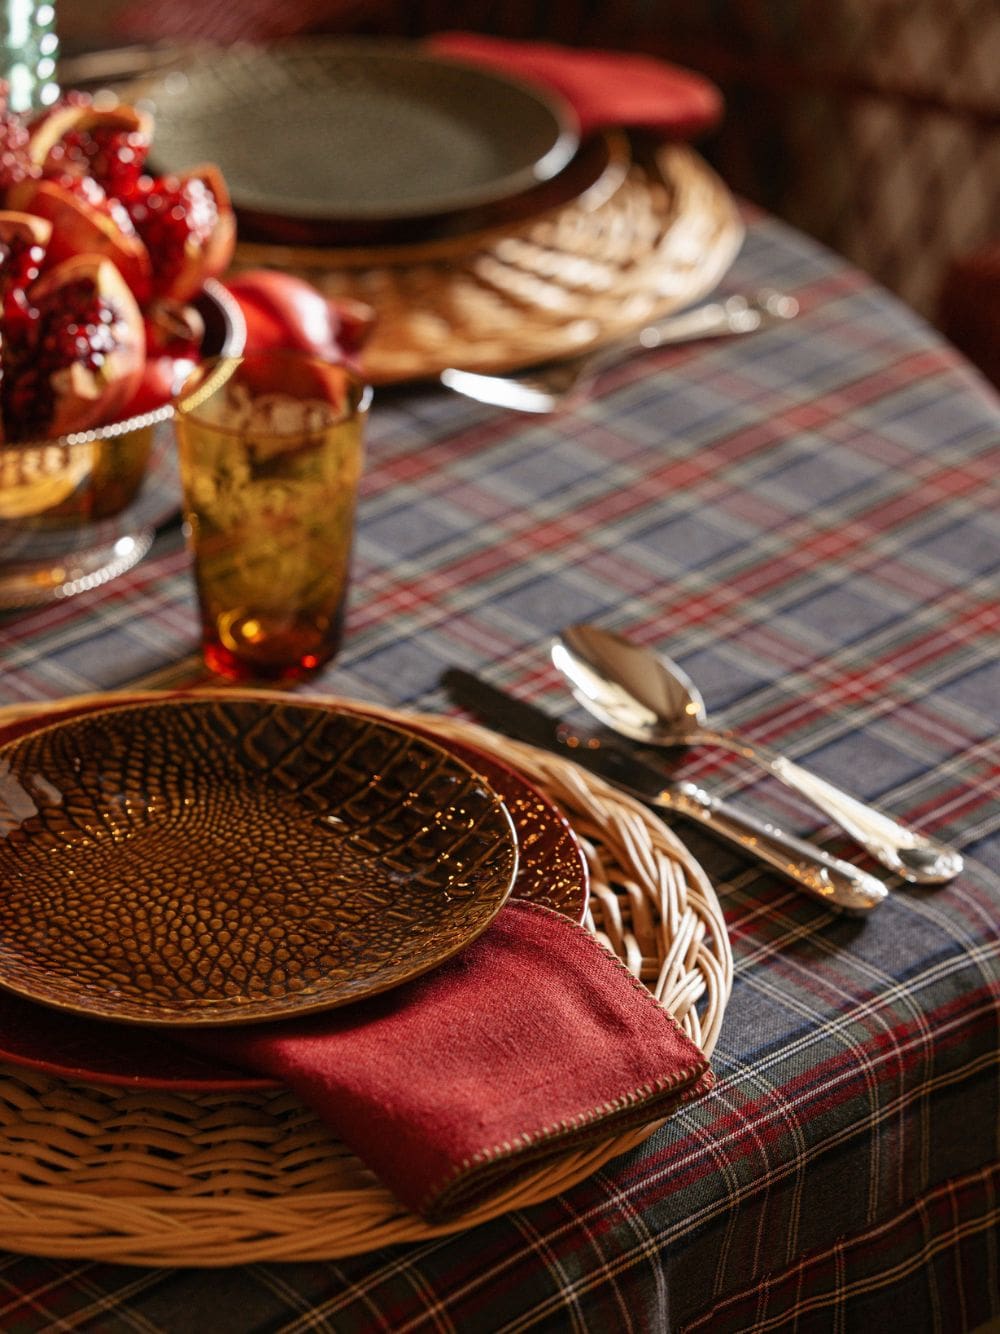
52, 127
284, 310
86, 397
217, 254
28, 226
78, 229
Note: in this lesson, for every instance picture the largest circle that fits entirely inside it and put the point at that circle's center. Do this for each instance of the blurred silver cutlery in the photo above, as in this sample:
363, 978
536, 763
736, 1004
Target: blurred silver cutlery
837, 883
645, 696
545, 388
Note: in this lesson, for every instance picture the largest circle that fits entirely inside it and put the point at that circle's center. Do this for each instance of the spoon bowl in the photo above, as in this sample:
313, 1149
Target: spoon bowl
645, 696
648, 699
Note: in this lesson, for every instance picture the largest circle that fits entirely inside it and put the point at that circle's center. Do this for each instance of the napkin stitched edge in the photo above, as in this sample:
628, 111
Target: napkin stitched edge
473, 1176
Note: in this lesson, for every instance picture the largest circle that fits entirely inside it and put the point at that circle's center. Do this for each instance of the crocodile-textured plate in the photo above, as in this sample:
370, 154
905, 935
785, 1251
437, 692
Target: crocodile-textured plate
551, 870
551, 867
228, 860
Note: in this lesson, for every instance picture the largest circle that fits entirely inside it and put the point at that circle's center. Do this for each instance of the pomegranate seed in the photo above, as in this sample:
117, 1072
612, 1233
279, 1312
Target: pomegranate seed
172, 215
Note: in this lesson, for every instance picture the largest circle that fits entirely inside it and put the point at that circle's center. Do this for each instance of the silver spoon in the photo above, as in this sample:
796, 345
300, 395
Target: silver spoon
643, 695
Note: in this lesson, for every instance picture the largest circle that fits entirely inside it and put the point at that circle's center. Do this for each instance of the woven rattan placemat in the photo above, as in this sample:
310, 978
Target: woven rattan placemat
162, 1178
570, 279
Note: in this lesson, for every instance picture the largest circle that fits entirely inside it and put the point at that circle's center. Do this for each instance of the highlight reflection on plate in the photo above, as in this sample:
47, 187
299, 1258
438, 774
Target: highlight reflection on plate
232, 860
551, 870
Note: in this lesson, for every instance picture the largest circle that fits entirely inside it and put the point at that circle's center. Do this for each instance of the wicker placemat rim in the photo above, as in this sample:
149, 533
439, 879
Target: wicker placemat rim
573, 279
159, 1178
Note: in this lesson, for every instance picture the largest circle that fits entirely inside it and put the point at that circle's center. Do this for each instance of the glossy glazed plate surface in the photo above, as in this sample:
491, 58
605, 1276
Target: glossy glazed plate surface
228, 860
358, 130
551, 870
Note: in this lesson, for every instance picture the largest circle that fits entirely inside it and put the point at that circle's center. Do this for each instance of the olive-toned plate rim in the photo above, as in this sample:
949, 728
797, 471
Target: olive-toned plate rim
540, 110
594, 172
217, 1015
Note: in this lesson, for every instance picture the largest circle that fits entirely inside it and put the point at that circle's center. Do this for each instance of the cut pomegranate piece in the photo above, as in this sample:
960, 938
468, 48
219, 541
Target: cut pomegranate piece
109, 144
83, 357
86, 222
188, 227
23, 240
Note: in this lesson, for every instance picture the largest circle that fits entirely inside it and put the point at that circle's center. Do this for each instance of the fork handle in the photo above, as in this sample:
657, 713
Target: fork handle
913, 856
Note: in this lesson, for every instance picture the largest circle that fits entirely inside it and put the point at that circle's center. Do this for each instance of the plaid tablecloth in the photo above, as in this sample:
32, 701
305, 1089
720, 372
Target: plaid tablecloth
809, 520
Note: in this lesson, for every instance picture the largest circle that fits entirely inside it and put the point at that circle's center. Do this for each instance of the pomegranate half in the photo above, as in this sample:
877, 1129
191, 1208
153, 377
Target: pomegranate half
75, 138
82, 356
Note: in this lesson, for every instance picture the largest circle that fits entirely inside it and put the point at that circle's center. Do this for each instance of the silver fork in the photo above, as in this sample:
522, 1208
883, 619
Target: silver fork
546, 388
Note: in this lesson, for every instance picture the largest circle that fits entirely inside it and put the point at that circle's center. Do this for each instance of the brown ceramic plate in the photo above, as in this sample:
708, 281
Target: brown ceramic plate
351, 130
552, 870
217, 861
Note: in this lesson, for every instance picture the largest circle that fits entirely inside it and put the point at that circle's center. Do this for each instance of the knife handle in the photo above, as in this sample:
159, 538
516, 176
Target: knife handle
837, 883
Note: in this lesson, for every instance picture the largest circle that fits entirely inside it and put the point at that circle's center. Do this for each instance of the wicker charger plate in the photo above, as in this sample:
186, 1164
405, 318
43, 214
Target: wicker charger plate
570, 279
153, 1178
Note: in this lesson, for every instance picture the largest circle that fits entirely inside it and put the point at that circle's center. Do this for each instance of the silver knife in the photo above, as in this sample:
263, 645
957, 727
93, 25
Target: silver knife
837, 883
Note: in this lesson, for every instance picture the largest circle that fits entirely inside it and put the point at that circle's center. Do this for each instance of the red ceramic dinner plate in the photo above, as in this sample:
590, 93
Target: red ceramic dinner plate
551, 870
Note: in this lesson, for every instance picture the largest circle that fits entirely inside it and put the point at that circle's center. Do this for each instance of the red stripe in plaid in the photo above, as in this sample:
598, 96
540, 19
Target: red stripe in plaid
846, 456
947, 1280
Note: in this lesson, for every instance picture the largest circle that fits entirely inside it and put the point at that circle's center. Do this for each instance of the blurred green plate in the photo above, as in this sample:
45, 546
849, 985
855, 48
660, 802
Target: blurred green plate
336, 130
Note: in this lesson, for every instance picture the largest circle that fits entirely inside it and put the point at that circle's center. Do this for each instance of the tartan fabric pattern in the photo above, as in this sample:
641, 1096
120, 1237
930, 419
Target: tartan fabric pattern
917, 1247
808, 521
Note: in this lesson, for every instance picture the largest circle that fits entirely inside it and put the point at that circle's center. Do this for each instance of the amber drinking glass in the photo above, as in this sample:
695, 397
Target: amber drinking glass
271, 449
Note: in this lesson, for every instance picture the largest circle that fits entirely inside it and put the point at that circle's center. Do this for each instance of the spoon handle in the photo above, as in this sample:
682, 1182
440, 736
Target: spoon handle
913, 856
720, 319
837, 883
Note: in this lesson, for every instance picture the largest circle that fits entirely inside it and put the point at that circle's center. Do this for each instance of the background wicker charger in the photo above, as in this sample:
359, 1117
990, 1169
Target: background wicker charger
571, 278
151, 1178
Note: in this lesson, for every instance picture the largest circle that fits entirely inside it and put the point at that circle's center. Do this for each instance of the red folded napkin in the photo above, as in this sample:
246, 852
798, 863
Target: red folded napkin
533, 1041
606, 89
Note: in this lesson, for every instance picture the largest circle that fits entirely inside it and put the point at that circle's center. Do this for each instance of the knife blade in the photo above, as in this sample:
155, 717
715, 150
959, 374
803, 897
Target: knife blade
837, 883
